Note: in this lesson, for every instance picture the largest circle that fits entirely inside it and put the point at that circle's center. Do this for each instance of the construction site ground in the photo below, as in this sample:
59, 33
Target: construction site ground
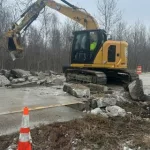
67, 128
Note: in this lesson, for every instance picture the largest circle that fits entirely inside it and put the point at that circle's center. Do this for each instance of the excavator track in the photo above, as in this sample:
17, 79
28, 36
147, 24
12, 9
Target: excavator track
101, 76
85, 76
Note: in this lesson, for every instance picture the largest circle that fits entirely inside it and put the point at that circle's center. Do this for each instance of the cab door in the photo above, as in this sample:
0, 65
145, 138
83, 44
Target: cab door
111, 55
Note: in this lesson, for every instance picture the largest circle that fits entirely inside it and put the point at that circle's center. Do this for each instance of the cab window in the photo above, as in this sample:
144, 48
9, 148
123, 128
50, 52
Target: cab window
81, 42
93, 41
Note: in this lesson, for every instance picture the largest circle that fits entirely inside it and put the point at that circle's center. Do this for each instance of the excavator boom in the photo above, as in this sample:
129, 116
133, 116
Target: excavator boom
77, 14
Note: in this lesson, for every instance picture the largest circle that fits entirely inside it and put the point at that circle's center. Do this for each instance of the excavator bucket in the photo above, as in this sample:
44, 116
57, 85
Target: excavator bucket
14, 47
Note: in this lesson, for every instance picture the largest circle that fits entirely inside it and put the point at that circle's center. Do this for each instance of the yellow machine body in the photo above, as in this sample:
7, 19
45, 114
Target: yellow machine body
101, 59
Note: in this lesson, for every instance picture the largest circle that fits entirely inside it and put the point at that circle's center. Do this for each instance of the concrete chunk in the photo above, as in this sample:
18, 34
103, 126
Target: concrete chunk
77, 90
4, 81
104, 102
57, 82
19, 73
41, 76
98, 88
98, 111
114, 111
32, 78
24, 84
136, 90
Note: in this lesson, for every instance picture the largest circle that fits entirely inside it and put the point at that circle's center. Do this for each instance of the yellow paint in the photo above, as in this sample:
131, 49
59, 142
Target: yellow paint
40, 108
76, 14
101, 60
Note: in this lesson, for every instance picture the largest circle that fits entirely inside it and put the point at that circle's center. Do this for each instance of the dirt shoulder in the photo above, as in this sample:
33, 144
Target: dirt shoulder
91, 132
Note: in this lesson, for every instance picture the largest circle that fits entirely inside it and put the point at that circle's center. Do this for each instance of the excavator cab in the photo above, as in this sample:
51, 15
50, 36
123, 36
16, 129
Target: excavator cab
86, 45
91, 48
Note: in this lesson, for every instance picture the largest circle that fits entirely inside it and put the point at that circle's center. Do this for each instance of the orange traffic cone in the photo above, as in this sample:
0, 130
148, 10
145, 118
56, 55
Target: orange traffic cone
25, 136
139, 70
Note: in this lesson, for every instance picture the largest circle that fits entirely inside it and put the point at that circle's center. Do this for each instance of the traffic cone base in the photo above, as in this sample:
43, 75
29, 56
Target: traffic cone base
24, 146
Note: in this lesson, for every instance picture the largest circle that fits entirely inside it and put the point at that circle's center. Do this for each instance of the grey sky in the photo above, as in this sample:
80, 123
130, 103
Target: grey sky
132, 9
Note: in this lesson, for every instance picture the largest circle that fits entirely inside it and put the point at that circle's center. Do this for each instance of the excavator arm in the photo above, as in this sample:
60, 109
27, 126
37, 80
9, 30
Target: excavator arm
77, 14
14, 35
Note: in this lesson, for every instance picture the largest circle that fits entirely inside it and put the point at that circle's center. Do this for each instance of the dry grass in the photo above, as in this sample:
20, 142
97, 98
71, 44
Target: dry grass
93, 132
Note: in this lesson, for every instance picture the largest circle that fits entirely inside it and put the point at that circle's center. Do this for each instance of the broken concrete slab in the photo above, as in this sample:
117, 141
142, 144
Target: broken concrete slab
14, 81
18, 80
136, 90
77, 90
41, 76
21, 80
19, 73
53, 81
57, 82
114, 111
61, 77
53, 72
48, 80
98, 88
4, 81
41, 82
32, 78
98, 111
105, 101
6, 73
24, 84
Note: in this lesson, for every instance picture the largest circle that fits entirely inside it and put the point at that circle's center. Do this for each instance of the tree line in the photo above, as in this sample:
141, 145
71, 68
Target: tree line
47, 46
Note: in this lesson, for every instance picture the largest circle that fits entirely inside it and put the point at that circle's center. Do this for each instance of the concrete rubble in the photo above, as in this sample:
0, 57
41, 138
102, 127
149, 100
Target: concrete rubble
97, 88
98, 111
77, 90
17, 78
19, 73
4, 81
136, 90
114, 111
105, 101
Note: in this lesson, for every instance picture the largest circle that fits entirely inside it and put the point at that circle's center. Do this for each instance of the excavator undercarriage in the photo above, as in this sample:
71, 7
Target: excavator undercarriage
99, 76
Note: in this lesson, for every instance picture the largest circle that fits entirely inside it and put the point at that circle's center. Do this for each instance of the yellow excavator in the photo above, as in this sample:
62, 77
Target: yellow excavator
94, 58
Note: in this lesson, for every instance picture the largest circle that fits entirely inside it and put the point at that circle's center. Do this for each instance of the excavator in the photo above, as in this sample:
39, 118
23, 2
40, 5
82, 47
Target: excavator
94, 58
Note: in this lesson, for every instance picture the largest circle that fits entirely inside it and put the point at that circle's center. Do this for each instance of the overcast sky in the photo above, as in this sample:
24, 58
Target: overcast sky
132, 9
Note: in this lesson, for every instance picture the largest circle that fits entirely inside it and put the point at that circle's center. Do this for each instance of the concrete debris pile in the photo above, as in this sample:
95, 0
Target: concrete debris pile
17, 78
100, 103
99, 99
104, 100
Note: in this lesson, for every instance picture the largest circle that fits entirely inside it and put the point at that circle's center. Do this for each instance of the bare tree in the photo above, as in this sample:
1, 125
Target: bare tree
120, 31
109, 14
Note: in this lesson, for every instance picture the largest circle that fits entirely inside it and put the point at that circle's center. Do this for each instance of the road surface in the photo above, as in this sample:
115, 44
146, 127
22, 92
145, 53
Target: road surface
48, 104
146, 82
